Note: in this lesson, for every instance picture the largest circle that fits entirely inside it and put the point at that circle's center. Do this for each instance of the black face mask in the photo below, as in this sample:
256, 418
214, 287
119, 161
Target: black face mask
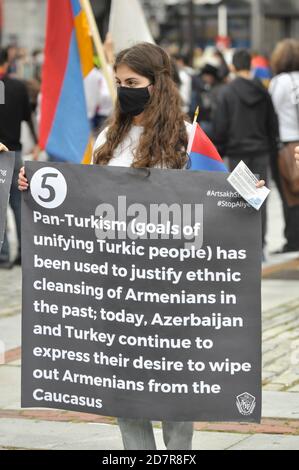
133, 100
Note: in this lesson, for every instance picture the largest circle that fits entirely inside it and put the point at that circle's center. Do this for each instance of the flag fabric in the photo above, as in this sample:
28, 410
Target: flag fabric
64, 130
202, 152
261, 69
128, 25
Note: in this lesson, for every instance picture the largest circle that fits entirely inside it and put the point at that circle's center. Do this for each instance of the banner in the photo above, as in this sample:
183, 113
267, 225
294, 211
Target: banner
64, 128
141, 294
7, 162
128, 25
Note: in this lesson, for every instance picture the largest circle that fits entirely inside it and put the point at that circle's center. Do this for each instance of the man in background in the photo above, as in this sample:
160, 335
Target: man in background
16, 108
245, 124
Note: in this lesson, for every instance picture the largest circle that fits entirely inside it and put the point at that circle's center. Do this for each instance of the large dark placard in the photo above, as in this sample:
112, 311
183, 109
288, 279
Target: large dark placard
141, 294
7, 161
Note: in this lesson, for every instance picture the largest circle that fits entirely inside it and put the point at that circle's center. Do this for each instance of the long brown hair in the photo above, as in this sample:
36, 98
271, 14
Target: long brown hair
285, 57
164, 138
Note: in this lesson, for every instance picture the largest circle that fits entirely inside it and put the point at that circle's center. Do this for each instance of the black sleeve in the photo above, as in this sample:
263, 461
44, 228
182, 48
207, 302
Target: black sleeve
274, 140
26, 113
220, 123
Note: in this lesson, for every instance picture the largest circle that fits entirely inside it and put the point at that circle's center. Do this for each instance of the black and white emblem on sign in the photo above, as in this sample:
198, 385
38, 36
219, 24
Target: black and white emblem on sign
246, 403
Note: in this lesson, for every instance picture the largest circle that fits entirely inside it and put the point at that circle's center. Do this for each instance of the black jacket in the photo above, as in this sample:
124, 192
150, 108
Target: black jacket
14, 110
244, 122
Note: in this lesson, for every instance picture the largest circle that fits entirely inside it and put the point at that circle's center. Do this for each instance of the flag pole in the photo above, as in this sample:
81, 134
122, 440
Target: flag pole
196, 115
85, 4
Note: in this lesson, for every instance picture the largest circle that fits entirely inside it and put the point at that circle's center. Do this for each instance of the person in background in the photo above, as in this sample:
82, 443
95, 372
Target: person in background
185, 75
244, 123
12, 56
284, 89
102, 96
98, 99
297, 156
223, 68
260, 68
205, 89
16, 108
37, 64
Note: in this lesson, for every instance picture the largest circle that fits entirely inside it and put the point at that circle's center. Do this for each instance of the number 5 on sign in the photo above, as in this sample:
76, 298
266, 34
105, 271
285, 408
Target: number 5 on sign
48, 187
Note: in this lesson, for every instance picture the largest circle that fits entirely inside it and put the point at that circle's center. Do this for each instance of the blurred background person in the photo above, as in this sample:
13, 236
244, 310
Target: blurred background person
12, 53
244, 123
284, 89
98, 99
205, 89
260, 66
15, 109
222, 66
185, 83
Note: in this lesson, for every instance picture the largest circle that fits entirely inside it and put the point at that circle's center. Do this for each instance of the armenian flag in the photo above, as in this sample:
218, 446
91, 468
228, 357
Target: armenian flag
64, 125
261, 69
202, 152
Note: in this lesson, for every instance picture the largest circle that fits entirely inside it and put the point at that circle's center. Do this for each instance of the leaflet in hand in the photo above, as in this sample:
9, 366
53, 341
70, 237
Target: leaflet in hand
244, 181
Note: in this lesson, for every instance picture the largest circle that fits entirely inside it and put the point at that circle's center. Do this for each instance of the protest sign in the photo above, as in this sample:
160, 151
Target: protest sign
141, 294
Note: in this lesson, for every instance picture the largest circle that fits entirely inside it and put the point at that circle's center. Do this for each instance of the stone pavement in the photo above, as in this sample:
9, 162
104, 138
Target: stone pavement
55, 429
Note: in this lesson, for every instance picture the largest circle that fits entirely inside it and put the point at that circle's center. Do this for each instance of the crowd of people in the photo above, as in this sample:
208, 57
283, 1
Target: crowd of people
248, 106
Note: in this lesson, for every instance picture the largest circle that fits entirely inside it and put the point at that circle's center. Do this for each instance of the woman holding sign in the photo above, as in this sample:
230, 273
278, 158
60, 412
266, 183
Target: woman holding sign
148, 129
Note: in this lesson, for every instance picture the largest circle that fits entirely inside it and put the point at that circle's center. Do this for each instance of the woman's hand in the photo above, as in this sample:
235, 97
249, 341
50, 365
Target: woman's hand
260, 184
22, 181
3, 148
297, 156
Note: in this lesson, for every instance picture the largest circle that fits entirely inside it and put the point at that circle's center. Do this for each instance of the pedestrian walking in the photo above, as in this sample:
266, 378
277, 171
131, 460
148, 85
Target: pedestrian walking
15, 109
284, 89
245, 124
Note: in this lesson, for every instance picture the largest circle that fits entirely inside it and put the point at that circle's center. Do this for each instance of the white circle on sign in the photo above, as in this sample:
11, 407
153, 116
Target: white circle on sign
48, 187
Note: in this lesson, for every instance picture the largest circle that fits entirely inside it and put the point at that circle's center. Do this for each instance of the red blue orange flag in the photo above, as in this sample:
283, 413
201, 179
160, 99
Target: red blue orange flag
202, 152
64, 126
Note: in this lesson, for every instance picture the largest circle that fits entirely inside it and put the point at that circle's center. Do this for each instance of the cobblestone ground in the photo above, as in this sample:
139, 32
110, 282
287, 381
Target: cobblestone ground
58, 429
281, 347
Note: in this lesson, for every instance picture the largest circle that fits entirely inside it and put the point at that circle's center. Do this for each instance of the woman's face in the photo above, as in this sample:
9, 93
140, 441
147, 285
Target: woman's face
124, 76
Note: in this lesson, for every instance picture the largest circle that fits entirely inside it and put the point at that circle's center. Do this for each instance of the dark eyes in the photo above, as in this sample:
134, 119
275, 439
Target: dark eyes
128, 84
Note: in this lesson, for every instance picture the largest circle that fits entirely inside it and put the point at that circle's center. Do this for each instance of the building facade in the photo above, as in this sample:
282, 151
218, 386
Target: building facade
24, 21
258, 24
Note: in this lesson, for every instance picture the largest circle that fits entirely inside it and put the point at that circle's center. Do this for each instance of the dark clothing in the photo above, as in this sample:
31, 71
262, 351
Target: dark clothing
203, 95
289, 195
245, 127
291, 227
259, 165
15, 204
15, 109
244, 121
